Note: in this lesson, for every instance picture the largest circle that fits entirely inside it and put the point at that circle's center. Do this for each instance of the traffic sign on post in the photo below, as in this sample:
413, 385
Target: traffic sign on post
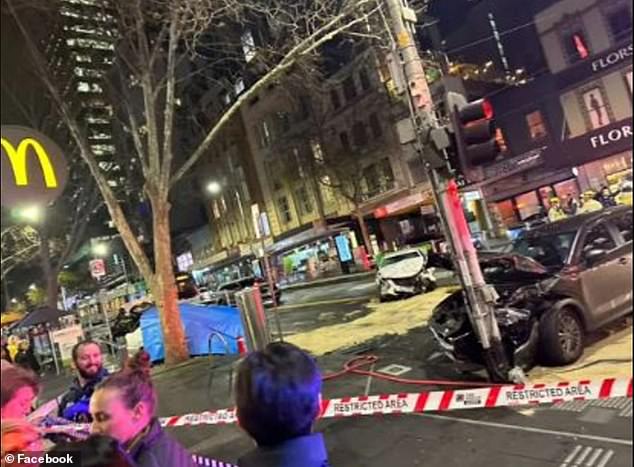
97, 268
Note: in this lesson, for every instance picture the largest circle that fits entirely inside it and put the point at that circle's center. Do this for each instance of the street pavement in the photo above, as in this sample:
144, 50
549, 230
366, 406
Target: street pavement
529, 437
597, 434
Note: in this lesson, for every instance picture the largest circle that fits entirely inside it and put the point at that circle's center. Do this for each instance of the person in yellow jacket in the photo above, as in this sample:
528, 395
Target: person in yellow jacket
590, 204
556, 212
12, 347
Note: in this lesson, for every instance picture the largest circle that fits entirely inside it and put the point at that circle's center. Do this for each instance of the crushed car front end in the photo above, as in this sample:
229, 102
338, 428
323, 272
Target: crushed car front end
525, 293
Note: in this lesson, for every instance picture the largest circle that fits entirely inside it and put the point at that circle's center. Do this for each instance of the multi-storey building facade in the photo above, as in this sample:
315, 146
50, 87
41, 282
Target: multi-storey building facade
80, 53
588, 46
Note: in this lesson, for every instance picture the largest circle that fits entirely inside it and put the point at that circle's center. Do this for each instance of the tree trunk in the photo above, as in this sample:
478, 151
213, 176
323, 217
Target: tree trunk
164, 287
321, 210
364, 230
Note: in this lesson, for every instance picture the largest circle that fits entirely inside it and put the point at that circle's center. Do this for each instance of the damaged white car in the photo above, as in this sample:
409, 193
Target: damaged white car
404, 274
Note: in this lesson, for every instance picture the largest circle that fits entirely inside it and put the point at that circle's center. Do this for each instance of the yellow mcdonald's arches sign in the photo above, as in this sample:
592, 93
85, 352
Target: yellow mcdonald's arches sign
17, 158
34, 170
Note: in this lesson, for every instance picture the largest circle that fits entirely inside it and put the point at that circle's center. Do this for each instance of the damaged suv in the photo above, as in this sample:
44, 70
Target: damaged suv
555, 284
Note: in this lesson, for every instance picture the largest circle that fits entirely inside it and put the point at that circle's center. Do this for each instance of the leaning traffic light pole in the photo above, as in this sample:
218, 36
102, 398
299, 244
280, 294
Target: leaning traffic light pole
473, 136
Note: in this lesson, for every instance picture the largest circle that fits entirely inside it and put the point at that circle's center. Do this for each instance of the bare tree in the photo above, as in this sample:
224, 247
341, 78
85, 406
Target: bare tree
157, 41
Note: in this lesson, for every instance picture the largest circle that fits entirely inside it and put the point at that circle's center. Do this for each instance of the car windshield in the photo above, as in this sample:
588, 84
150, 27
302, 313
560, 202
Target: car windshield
550, 250
399, 258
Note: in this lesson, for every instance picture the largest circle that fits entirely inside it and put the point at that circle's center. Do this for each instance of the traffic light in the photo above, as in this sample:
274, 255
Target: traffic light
476, 134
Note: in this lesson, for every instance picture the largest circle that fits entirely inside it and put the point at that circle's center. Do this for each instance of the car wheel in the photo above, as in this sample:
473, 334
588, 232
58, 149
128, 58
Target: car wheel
563, 337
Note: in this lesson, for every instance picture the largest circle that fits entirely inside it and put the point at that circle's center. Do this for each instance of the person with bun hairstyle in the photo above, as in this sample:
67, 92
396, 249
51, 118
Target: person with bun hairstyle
123, 407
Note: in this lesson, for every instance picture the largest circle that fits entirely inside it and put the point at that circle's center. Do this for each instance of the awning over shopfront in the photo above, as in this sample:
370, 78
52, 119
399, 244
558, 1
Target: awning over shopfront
404, 205
308, 236
42, 315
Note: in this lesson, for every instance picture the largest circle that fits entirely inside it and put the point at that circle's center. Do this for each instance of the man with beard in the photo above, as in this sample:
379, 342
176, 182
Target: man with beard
88, 361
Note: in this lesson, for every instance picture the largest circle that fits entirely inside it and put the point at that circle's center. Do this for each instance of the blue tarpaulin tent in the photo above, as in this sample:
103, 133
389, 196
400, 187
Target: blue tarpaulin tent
200, 322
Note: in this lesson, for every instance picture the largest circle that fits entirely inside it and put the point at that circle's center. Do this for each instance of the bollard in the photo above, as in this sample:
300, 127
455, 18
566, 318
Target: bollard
256, 328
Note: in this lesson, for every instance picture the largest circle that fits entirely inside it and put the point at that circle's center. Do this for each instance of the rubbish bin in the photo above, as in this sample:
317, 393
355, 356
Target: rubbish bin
254, 322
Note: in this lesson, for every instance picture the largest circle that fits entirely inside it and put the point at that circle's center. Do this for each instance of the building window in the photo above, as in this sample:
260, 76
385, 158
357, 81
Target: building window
349, 89
334, 97
620, 23
387, 175
375, 126
596, 108
284, 209
305, 204
359, 135
248, 45
575, 45
264, 134
345, 142
501, 140
318, 153
536, 125
365, 79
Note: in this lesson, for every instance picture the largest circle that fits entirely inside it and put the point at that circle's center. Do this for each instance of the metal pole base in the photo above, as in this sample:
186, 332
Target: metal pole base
497, 363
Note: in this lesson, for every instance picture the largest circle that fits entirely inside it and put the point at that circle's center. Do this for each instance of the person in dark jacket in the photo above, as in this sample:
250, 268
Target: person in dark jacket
123, 407
278, 394
88, 361
606, 198
95, 451
26, 358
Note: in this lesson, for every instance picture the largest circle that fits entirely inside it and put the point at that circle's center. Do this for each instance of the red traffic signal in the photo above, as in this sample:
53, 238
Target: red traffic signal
476, 131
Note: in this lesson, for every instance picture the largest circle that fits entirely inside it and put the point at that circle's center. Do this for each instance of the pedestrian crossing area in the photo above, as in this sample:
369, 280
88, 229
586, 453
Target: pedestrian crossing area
588, 456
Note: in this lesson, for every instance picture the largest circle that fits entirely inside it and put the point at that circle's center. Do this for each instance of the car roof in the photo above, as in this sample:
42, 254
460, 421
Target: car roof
401, 253
575, 223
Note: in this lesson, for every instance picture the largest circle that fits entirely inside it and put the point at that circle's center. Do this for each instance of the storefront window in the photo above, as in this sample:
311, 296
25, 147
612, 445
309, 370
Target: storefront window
596, 108
536, 125
507, 213
546, 193
607, 172
528, 205
567, 190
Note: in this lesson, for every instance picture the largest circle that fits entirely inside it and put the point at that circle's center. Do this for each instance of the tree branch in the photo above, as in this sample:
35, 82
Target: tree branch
305, 47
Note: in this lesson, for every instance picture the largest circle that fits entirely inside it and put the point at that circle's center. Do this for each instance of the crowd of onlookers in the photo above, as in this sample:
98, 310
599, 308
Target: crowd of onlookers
587, 203
278, 399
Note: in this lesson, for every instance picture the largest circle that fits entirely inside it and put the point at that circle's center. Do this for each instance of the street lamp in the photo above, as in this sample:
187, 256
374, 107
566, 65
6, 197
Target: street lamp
31, 214
214, 188
100, 249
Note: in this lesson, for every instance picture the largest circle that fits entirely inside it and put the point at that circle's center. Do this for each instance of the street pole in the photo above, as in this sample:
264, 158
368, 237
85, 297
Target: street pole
271, 282
480, 297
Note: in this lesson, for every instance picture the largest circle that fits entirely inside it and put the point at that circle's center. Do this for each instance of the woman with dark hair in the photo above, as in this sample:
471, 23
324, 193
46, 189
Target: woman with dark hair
123, 407
96, 451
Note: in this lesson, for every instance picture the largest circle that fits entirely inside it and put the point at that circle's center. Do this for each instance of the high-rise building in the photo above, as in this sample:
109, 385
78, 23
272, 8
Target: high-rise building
80, 52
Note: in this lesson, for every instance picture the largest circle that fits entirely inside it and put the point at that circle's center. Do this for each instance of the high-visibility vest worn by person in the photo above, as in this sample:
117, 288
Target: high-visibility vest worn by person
556, 214
591, 205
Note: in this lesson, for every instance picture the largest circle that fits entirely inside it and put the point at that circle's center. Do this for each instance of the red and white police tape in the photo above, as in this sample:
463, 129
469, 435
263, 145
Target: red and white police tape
207, 462
438, 401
